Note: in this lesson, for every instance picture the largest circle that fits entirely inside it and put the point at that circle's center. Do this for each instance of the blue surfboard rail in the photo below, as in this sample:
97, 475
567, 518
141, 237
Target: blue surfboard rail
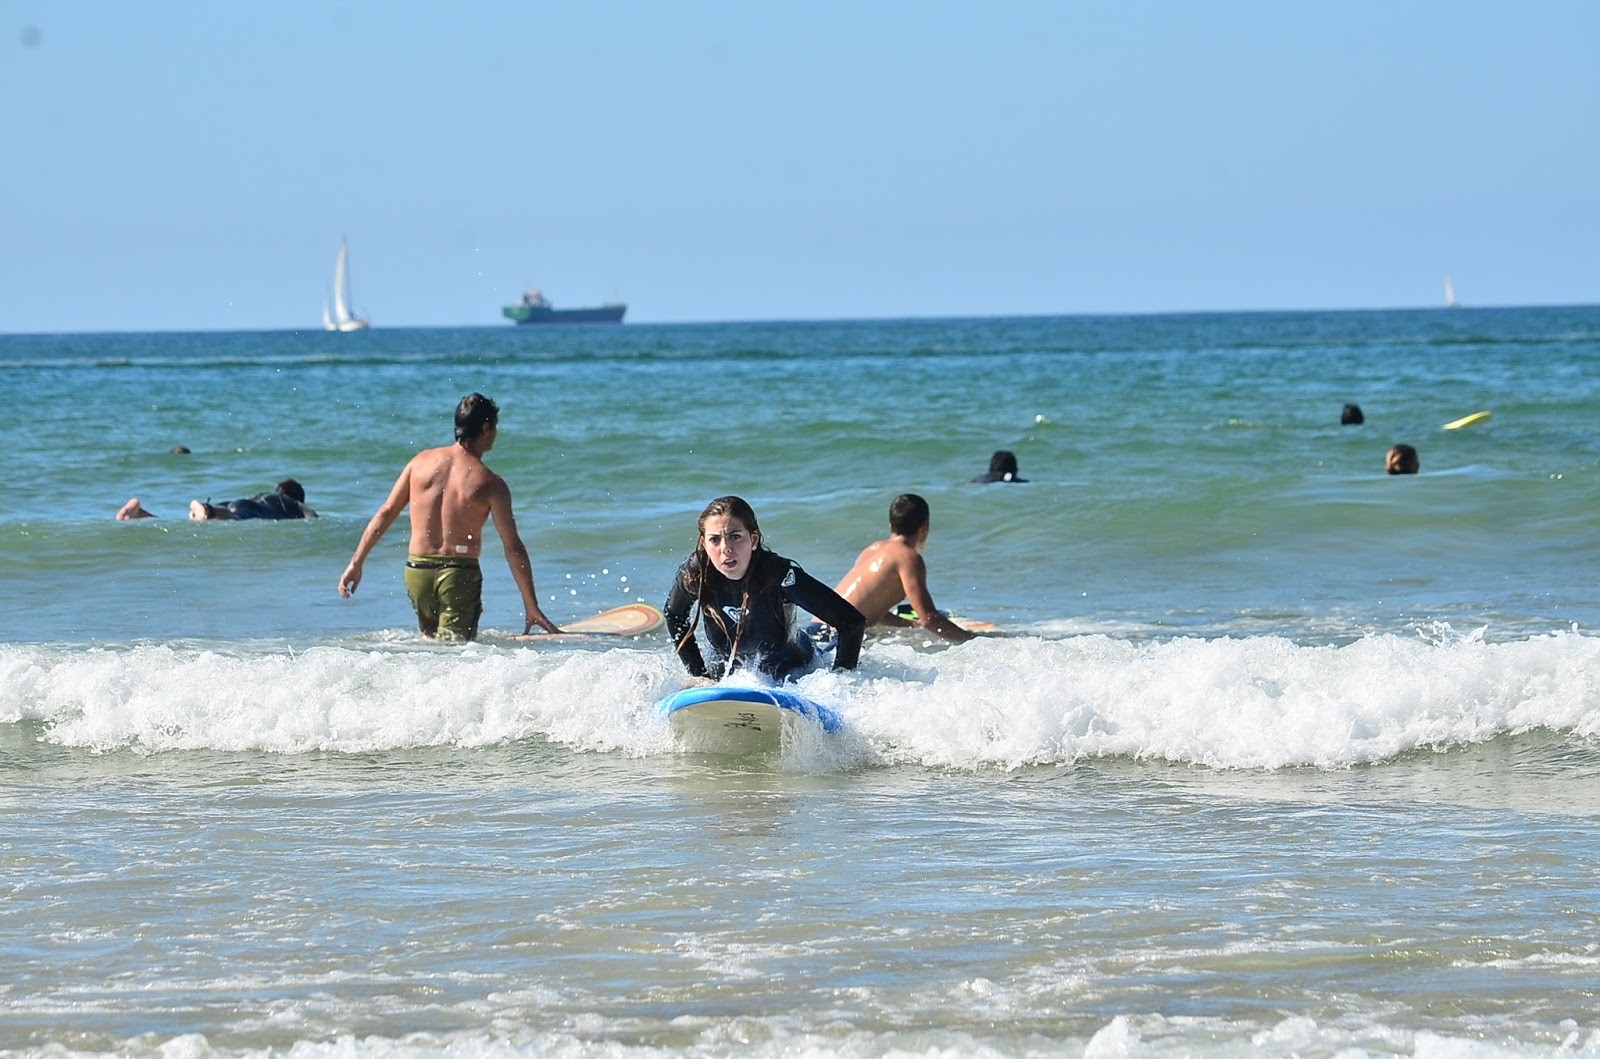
784, 700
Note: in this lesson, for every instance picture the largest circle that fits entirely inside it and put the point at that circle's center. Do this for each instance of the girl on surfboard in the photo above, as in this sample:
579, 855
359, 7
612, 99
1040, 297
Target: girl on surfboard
744, 594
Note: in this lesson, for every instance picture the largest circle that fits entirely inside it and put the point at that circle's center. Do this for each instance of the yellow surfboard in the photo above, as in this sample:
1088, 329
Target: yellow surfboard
1467, 421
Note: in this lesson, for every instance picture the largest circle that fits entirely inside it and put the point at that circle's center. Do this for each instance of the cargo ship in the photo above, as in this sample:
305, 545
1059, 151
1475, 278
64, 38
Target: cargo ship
535, 308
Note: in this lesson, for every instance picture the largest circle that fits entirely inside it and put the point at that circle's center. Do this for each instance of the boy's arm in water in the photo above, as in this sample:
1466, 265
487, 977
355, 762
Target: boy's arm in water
914, 581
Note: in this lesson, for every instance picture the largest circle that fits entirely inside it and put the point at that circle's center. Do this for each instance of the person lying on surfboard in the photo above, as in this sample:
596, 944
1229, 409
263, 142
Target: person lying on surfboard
892, 570
744, 594
288, 500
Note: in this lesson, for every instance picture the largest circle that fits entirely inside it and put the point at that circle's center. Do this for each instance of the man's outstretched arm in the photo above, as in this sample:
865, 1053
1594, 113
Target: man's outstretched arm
505, 524
388, 511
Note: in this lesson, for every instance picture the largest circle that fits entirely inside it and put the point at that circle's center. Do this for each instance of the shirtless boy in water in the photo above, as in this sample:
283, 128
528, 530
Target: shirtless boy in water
892, 570
451, 495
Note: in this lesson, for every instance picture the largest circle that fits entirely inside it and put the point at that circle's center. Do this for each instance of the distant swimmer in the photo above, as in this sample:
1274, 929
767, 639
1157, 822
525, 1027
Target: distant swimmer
288, 500
1351, 416
1002, 468
451, 494
744, 594
892, 570
1402, 459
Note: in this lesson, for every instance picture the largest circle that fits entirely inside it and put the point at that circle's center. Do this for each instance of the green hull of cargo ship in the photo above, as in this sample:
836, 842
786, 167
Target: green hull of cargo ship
525, 314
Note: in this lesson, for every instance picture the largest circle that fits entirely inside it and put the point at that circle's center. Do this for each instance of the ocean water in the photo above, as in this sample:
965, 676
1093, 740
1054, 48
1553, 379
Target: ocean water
1277, 754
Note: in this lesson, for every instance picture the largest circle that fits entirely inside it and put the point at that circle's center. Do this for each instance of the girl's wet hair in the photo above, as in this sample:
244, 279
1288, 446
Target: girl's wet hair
475, 413
764, 571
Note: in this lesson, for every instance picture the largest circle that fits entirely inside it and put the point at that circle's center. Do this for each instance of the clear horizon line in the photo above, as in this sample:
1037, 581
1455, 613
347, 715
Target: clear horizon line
1084, 315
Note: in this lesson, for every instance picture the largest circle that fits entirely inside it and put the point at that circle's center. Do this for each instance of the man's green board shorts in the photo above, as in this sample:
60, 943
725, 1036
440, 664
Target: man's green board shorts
447, 593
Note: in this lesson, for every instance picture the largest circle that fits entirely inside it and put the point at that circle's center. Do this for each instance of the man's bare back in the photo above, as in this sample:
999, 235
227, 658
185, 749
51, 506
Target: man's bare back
878, 579
449, 492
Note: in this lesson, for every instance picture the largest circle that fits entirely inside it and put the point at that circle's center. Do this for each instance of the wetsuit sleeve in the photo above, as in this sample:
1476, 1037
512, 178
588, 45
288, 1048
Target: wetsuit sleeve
679, 612
820, 601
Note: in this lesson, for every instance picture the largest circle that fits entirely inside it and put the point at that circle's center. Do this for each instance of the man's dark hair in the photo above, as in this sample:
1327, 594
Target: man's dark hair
473, 414
907, 515
1003, 462
293, 490
1406, 460
1351, 415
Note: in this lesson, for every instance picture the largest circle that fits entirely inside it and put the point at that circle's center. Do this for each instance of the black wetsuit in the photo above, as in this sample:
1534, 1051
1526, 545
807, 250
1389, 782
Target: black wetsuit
768, 640
265, 505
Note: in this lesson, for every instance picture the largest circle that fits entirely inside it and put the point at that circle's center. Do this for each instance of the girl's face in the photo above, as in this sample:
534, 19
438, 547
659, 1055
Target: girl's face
728, 545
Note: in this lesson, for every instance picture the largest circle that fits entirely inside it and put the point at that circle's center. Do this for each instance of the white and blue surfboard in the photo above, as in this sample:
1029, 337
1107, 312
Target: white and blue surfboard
742, 719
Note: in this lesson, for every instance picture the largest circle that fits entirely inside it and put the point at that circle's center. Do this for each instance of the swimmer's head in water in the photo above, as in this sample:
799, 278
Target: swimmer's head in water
1402, 459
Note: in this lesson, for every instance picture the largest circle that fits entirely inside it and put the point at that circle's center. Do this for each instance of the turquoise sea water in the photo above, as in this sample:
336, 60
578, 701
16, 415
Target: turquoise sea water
1280, 753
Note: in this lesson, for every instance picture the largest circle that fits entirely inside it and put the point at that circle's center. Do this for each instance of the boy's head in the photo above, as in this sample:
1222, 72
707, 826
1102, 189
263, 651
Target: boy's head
907, 515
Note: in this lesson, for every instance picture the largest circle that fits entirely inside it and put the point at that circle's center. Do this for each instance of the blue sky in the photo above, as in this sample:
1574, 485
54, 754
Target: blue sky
191, 165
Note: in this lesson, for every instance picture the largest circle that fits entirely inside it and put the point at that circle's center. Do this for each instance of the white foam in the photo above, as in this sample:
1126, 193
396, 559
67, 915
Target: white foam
1258, 702
1254, 703
156, 698
1141, 1035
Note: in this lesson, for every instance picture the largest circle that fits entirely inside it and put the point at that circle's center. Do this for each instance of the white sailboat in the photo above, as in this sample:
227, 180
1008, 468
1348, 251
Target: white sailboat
1450, 293
341, 318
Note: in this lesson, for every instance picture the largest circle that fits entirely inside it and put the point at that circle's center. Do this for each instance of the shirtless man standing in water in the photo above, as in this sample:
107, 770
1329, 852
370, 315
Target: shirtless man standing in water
451, 495
892, 570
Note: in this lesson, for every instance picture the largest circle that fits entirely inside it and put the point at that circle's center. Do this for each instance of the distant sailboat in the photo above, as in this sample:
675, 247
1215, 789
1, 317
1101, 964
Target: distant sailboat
341, 319
1450, 293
